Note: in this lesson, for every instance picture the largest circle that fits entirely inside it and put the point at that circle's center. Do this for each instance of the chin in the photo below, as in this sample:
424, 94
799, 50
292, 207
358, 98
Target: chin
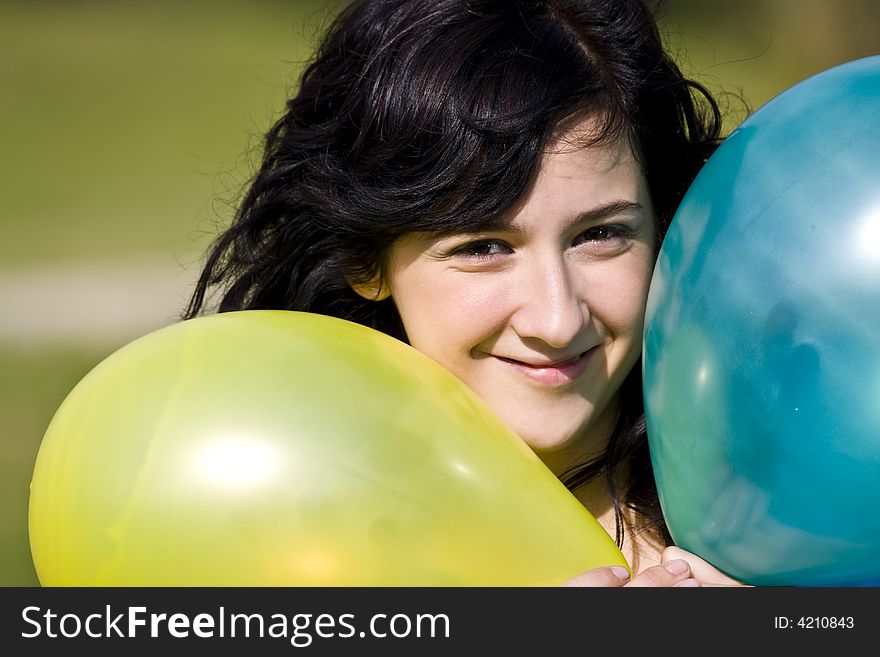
559, 444
542, 441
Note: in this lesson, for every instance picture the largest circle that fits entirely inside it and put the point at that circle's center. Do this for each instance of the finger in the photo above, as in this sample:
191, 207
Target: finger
668, 574
605, 576
708, 574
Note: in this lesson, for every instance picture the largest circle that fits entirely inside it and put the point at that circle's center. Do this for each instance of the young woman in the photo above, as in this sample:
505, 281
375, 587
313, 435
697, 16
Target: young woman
490, 181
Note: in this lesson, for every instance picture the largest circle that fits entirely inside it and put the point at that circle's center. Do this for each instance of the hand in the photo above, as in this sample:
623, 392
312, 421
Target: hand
673, 572
704, 572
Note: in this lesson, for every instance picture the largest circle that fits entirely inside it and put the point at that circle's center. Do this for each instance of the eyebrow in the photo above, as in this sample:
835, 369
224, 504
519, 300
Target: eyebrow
610, 209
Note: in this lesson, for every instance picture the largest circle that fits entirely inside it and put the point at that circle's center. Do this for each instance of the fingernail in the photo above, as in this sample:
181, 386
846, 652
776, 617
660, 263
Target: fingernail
677, 567
689, 582
620, 573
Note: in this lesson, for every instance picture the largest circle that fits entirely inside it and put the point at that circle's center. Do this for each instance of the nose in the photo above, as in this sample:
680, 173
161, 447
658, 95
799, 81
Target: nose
550, 308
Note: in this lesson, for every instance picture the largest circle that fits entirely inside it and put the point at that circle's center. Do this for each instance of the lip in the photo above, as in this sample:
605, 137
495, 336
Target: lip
555, 374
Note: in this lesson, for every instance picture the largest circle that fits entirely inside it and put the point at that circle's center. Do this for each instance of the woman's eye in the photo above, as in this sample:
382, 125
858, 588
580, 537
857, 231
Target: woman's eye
482, 249
604, 233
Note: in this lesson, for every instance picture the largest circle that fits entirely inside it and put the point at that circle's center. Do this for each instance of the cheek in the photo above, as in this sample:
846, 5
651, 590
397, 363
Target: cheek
621, 305
450, 311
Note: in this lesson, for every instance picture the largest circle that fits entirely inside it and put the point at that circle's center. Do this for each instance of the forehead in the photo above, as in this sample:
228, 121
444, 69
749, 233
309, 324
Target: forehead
574, 176
585, 149
567, 160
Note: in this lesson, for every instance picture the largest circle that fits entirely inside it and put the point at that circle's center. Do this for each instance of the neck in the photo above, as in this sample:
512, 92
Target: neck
639, 550
587, 446
596, 497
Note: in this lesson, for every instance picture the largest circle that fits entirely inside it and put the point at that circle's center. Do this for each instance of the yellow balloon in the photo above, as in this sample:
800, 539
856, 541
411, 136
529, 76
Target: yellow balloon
277, 448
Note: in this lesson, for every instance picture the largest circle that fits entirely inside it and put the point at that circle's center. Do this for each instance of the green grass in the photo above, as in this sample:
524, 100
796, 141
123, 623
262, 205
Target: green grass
123, 122
32, 386
760, 48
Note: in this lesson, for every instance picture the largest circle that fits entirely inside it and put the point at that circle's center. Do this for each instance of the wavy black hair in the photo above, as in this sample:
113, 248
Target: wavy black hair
433, 115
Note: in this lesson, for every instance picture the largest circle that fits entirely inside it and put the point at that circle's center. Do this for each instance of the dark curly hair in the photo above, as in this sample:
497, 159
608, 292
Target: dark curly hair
432, 116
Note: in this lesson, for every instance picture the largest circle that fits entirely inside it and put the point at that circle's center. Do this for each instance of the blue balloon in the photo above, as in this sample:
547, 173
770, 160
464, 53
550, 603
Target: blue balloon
762, 343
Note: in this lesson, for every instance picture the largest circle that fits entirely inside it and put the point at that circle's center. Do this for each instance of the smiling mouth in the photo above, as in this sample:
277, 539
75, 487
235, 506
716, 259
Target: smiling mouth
553, 373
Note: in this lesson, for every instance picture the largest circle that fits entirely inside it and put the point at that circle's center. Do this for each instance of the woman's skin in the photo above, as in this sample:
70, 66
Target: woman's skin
542, 317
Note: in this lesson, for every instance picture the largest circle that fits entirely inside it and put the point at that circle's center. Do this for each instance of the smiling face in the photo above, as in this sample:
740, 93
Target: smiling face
543, 317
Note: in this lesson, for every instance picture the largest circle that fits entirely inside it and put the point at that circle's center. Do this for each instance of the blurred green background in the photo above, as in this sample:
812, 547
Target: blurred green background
127, 130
